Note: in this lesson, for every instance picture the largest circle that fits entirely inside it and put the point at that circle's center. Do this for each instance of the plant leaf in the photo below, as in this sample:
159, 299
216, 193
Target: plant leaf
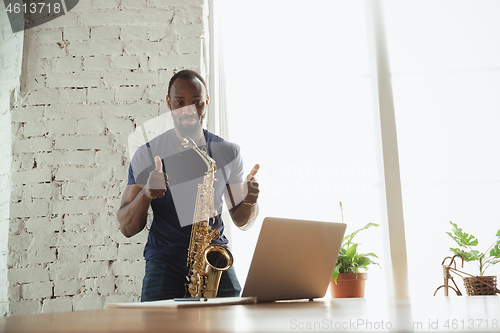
463, 239
348, 260
495, 251
464, 254
352, 269
335, 273
494, 262
365, 261
341, 263
371, 254
351, 236
476, 254
351, 252
362, 262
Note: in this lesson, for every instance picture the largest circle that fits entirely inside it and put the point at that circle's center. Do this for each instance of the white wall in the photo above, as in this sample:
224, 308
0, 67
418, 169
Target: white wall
91, 77
11, 47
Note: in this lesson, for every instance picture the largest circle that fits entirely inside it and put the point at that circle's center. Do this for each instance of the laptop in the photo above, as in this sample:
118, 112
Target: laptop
293, 259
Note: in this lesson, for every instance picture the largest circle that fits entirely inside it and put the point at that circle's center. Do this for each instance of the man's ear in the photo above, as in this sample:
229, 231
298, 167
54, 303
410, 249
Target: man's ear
208, 99
169, 103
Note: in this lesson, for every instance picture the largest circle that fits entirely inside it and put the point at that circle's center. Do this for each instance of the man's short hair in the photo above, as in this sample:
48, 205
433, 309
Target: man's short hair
185, 74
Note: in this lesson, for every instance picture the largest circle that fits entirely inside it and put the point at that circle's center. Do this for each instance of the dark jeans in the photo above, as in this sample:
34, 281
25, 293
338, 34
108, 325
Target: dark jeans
165, 278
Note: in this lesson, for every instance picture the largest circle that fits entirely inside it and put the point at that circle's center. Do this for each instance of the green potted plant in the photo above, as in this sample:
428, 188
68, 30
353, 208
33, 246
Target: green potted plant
477, 285
347, 281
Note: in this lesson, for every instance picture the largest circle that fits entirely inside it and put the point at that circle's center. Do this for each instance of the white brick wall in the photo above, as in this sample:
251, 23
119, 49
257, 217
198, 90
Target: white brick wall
11, 46
93, 75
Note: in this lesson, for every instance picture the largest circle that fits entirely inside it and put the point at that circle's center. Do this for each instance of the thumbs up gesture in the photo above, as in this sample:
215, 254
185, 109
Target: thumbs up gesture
252, 186
157, 183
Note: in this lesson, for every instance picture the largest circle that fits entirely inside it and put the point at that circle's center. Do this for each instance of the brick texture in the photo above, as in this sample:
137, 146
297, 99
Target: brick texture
11, 46
92, 77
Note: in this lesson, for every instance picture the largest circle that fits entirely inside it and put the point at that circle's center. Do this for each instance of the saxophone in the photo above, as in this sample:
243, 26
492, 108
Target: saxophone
205, 262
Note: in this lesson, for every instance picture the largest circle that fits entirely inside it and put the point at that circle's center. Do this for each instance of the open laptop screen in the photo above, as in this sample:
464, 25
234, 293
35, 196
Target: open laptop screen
293, 259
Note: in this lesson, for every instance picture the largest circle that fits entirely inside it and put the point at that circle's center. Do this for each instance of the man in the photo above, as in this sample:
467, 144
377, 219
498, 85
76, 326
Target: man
168, 183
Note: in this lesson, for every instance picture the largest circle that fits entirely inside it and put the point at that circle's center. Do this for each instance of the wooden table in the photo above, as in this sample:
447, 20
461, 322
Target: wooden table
438, 314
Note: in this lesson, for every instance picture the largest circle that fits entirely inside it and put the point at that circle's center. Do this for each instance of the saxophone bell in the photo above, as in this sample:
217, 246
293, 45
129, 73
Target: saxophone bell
217, 260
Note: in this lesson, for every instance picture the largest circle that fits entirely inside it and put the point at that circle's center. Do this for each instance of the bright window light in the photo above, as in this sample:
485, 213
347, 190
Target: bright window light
300, 102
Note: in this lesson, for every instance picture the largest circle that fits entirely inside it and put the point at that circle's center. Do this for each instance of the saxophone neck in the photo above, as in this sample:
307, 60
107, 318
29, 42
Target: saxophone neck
211, 166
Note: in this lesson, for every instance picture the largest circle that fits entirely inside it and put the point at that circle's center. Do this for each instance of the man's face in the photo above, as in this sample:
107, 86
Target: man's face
187, 120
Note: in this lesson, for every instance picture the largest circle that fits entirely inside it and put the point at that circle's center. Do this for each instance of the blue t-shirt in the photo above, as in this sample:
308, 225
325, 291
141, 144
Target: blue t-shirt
170, 230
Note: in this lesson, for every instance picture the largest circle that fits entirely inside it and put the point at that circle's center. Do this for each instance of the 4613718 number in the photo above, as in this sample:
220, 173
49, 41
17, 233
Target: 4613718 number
34, 8
472, 324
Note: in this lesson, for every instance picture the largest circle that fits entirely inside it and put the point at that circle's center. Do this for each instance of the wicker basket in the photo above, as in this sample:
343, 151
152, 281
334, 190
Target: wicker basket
481, 285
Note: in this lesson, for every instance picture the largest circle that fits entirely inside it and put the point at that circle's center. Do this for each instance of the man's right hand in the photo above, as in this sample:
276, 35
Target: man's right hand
157, 183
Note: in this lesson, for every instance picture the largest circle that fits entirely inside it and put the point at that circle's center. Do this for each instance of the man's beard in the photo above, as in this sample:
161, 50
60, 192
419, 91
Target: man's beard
190, 130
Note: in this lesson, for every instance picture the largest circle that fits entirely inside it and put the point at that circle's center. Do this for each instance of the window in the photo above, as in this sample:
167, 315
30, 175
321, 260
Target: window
300, 103
445, 62
300, 100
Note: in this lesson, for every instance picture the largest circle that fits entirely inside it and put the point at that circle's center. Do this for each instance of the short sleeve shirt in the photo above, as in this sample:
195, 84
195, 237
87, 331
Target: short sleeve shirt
173, 213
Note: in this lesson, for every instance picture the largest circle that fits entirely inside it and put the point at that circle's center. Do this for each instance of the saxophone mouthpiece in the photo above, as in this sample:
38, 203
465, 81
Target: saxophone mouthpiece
188, 142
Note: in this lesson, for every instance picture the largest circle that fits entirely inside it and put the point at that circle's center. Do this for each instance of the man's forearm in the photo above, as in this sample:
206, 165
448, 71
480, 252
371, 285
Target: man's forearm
133, 216
244, 215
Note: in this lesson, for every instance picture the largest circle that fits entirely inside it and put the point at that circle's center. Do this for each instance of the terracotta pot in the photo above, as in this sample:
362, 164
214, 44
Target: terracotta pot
348, 285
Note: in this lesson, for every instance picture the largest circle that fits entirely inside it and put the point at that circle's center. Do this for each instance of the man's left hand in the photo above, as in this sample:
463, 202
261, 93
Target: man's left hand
252, 186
